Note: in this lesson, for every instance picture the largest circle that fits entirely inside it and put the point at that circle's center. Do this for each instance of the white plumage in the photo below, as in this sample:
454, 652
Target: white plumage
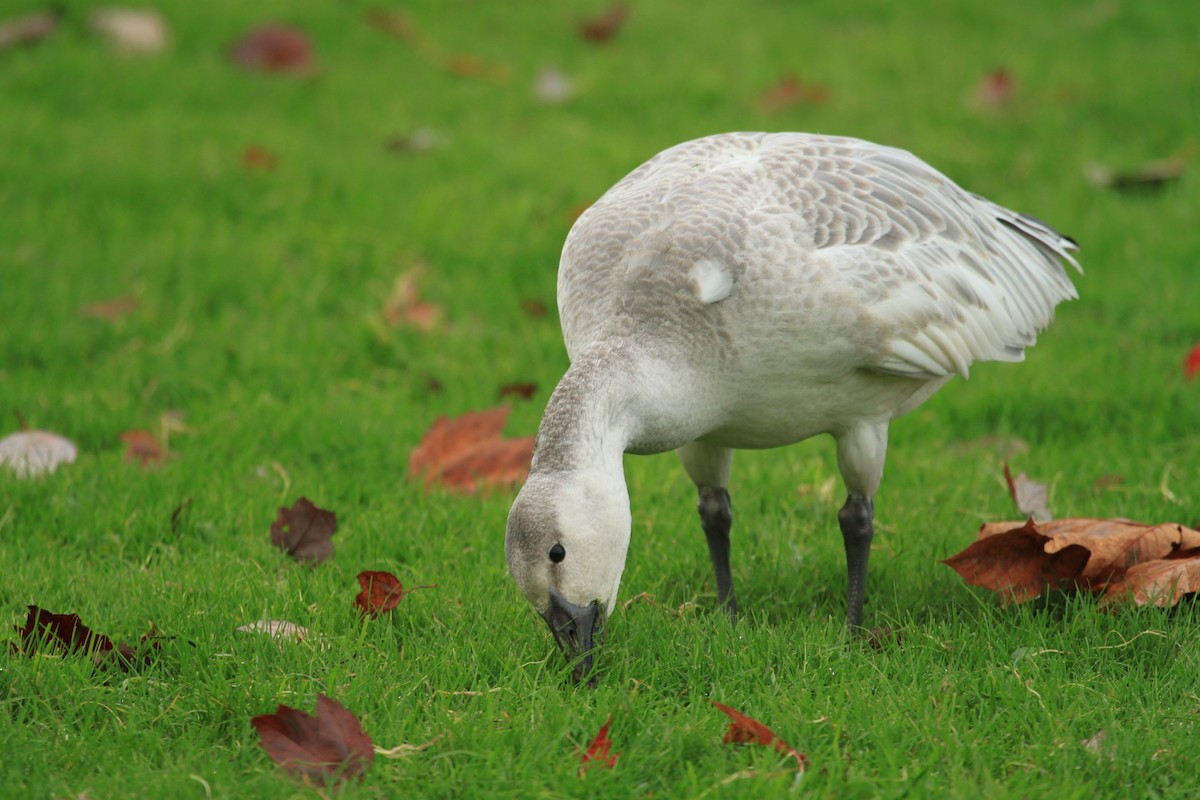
751, 290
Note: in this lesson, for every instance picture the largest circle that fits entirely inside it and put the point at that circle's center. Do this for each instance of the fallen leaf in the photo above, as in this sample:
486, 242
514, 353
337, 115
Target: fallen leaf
1191, 363
468, 66
747, 730
536, 309
329, 746
402, 26
28, 29
791, 91
1019, 560
885, 637
420, 140
405, 306
274, 48
995, 89
67, 634
597, 752
468, 453
1149, 176
1032, 498
406, 750
1161, 583
142, 447
394, 23
552, 87
133, 32
33, 453
276, 629
305, 531
603, 27
381, 592
259, 158
111, 310
1095, 744
524, 390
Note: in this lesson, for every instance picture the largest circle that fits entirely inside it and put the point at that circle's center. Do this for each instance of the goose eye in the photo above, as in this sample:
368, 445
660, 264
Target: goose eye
557, 553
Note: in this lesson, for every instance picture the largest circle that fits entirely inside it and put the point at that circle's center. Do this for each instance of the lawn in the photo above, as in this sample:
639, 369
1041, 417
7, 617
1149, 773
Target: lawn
256, 224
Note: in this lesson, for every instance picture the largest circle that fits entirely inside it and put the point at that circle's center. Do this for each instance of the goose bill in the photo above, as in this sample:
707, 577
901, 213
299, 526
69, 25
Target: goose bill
579, 631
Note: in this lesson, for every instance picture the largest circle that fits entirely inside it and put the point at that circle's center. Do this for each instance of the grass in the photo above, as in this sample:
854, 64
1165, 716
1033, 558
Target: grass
259, 297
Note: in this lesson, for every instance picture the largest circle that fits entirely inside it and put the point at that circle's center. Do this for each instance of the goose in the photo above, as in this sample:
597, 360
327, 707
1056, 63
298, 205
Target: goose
747, 291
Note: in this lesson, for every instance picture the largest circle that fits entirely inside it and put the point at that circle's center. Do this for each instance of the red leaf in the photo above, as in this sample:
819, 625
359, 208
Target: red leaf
1191, 363
468, 453
381, 592
524, 390
329, 746
305, 531
605, 25
747, 730
67, 634
274, 48
995, 89
791, 91
259, 158
142, 447
597, 751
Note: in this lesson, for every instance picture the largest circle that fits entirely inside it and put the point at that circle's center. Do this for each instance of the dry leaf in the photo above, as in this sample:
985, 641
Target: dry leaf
67, 634
259, 158
305, 531
791, 91
1032, 498
552, 86
1191, 363
747, 730
420, 140
111, 310
995, 89
274, 48
1019, 560
142, 447
328, 747
405, 306
33, 453
402, 26
605, 25
1162, 583
132, 32
468, 453
524, 390
28, 29
276, 629
1150, 176
381, 592
597, 752
536, 309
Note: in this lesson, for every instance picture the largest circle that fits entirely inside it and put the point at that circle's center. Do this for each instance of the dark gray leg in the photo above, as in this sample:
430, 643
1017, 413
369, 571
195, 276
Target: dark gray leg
716, 517
855, 519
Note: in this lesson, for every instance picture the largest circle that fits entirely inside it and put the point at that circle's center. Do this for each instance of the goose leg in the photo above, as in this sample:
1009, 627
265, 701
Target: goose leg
716, 517
856, 521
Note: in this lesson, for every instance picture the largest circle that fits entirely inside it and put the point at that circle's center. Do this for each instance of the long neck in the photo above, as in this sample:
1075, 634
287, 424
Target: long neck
586, 423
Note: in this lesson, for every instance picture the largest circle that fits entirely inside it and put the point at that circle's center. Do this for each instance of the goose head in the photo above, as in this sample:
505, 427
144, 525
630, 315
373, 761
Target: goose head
565, 544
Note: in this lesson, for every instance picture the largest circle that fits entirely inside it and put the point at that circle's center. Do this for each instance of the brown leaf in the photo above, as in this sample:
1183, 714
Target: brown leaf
1032, 498
1191, 363
536, 309
274, 48
142, 447
995, 89
522, 389
28, 29
381, 592
110, 310
791, 91
67, 634
260, 159
1015, 563
328, 747
404, 306
747, 730
305, 531
1162, 583
597, 752
132, 32
468, 453
603, 27
1149, 176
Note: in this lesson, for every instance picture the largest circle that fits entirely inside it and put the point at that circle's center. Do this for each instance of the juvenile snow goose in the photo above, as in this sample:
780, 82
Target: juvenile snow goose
750, 290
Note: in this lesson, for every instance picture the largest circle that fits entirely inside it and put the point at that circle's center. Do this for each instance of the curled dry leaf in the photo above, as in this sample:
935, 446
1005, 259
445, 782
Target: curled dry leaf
67, 634
747, 730
381, 592
1019, 560
1150, 176
468, 453
305, 531
597, 752
329, 746
1032, 498
28, 29
142, 447
603, 27
274, 48
276, 629
1161, 583
132, 32
33, 453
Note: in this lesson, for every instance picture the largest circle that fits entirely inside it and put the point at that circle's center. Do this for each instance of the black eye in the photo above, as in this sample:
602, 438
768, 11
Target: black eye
557, 553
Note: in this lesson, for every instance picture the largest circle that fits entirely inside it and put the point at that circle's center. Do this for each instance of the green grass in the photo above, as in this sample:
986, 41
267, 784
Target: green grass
259, 297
